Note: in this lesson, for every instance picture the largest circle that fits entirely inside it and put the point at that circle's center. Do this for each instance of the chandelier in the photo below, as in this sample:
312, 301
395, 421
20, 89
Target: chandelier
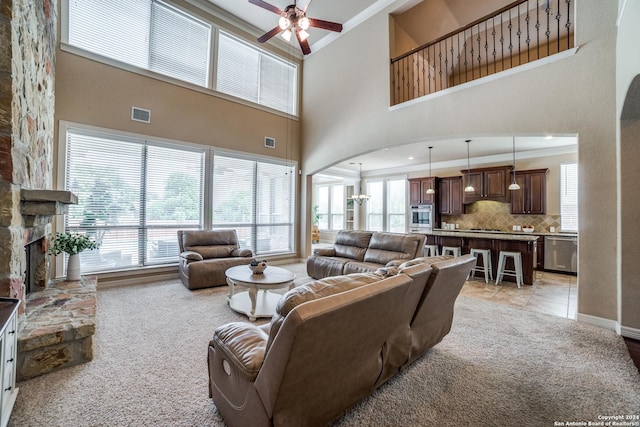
360, 198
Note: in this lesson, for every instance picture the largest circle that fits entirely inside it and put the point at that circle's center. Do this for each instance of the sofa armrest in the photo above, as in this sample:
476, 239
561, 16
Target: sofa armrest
191, 256
245, 253
324, 252
243, 346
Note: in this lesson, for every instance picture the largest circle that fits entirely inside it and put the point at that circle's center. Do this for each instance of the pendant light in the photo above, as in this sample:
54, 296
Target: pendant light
360, 198
469, 188
514, 185
430, 190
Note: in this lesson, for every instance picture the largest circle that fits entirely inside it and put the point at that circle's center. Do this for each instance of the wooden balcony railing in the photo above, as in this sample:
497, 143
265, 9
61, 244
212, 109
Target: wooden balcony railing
521, 32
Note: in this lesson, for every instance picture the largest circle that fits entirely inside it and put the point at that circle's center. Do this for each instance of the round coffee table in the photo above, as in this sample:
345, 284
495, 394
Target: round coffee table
250, 303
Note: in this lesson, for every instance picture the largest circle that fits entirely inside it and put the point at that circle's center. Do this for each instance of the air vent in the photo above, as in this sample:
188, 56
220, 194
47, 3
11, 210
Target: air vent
269, 142
140, 115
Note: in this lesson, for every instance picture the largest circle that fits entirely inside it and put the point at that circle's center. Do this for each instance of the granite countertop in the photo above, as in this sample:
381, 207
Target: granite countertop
496, 235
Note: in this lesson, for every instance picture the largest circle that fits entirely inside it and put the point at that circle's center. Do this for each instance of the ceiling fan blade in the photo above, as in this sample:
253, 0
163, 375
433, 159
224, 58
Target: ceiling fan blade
304, 44
266, 36
267, 6
325, 25
303, 4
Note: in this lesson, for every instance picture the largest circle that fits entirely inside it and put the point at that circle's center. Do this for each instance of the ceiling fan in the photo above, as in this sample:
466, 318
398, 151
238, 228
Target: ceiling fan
293, 19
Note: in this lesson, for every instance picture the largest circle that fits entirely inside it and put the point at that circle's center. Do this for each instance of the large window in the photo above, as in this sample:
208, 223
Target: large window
153, 35
331, 204
134, 194
146, 33
387, 208
254, 75
569, 197
255, 197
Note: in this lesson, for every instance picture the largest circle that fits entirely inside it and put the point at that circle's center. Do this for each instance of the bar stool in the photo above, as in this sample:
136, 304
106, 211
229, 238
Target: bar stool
456, 251
486, 264
502, 262
431, 250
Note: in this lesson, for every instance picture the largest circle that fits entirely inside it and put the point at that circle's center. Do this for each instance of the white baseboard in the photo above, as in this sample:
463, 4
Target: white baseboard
599, 322
628, 332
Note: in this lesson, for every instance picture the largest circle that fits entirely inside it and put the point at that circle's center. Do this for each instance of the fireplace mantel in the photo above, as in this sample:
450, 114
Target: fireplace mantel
37, 203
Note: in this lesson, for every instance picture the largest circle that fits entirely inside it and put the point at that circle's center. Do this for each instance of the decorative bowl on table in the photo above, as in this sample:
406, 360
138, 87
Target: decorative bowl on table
527, 229
258, 267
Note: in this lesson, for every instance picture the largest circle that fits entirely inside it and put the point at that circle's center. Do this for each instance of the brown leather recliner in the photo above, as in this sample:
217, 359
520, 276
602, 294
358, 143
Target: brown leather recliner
331, 343
206, 255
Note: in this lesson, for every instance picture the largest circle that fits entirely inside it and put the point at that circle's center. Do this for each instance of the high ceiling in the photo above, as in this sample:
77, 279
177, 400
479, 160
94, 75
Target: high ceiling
340, 11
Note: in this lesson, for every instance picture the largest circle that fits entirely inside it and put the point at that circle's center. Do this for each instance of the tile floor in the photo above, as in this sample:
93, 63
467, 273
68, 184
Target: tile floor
552, 293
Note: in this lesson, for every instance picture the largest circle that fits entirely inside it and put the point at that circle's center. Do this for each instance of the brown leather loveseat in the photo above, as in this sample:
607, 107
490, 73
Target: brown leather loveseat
331, 343
363, 251
206, 254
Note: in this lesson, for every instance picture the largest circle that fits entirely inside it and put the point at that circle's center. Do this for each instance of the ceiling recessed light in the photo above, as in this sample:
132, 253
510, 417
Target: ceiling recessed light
548, 137
410, 157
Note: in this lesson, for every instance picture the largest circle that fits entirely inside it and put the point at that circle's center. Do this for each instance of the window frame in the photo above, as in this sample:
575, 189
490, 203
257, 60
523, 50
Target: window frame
386, 214
295, 61
331, 214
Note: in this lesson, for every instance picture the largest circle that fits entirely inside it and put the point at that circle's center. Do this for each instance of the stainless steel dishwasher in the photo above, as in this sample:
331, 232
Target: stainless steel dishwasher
561, 253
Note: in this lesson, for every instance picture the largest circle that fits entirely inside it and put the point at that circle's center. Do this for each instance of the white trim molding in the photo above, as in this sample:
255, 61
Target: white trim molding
599, 322
628, 332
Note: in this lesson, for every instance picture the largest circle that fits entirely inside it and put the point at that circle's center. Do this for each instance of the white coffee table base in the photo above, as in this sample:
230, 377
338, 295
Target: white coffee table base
265, 304
257, 301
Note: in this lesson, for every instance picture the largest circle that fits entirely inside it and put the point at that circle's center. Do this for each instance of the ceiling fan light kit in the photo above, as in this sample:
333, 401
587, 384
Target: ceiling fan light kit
293, 19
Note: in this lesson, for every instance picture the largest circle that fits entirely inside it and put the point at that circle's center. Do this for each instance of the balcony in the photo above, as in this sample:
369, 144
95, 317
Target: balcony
519, 33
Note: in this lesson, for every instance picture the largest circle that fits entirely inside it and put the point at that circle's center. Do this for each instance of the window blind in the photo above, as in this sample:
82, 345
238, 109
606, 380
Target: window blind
133, 195
569, 197
255, 197
145, 33
249, 73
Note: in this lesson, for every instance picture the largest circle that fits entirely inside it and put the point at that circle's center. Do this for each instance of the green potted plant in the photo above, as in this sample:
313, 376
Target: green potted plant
315, 220
72, 244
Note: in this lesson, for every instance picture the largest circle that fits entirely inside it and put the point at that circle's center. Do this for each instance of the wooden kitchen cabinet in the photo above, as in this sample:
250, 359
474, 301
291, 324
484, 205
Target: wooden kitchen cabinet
488, 184
532, 196
450, 196
418, 191
540, 253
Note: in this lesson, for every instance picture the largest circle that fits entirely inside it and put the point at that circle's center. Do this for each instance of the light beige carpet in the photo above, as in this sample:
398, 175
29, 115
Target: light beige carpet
498, 367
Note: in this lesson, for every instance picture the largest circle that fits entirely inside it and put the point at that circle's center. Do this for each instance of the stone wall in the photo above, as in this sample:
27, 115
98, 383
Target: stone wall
27, 58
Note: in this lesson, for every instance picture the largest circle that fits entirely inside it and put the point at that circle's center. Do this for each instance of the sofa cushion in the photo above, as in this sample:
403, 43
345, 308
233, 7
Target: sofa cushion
352, 244
385, 247
314, 290
360, 267
244, 345
210, 244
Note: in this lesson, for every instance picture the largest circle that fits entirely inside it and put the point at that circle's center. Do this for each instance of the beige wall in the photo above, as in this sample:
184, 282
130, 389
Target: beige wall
575, 95
628, 109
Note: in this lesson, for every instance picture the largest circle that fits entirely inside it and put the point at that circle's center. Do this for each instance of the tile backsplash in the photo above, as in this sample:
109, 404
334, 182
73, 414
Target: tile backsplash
488, 214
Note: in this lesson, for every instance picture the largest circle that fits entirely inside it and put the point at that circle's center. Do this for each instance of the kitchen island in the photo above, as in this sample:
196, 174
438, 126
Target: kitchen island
525, 243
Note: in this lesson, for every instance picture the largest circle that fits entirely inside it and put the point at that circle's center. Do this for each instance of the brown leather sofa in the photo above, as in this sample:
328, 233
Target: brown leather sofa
363, 251
331, 343
206, 255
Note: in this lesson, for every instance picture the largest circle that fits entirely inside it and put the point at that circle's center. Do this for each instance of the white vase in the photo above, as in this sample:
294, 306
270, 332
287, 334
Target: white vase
73, 267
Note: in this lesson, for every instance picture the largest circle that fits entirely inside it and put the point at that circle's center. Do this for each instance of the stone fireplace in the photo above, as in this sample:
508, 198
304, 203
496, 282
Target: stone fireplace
57, 318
